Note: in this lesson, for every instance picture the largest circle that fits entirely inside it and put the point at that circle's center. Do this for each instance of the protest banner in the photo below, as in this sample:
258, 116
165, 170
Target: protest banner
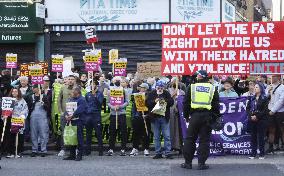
120, 67
11, 60
71, 107
220, 48
7, 106
113, 56
149, 69
57, 63
140, 99
17, 121
24, 68
116, 96
36, 73
266, 68
233, 139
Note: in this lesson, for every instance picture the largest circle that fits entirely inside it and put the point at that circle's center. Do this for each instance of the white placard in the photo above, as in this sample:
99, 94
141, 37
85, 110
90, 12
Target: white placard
106, 11
195, 11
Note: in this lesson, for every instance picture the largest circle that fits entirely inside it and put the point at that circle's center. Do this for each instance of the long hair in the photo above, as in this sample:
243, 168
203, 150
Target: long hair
19, 97
262, 89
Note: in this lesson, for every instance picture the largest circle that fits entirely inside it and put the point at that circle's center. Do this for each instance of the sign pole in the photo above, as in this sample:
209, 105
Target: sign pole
116, 119
177, 81
11, 74
145, 124
4, 128
17, 141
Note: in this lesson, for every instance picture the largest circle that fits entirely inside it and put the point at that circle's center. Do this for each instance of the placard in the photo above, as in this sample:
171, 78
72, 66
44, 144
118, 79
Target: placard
24, 68
220, 48
113, 56
17, 121
8, 104
140, 99
36, 73
71, 107
120, 67
11, 60
149, 69
57, 63
116, 96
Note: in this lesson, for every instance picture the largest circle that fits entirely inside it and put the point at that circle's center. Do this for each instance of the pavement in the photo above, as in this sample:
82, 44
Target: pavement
116, 165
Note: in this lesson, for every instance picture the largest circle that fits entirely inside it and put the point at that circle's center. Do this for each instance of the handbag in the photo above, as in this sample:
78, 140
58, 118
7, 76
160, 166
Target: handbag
70, 135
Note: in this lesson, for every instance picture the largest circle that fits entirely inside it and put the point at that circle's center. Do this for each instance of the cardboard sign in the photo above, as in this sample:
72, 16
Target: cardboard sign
57, 63
120, 67
220, 48
113, 56
17, 121
140, 99
8, 104
116, 96
11, 60
71, 107
149, 69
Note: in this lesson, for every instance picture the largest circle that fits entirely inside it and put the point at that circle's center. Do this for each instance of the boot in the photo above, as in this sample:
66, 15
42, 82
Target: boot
202, 166
72, 155
78, 156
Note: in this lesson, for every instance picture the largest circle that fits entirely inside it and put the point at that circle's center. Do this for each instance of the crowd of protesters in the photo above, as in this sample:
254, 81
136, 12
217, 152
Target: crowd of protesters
39, 105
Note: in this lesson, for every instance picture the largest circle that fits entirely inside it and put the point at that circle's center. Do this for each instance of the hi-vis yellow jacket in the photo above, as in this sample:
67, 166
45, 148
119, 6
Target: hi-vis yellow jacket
202, 95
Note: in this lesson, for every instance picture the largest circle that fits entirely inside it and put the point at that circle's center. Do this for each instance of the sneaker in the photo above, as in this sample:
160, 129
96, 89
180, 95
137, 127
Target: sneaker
69, 158
18, 156
146, 152
186, 166
251, 157
158, 156
10, 156
110, 152
122, 153
202, 167
169, 156
261, 158
134, 152
61, 153
43, 155
33, 154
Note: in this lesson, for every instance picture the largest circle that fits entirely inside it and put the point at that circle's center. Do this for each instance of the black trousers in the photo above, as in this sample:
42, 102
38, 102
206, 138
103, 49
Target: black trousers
93, 122
139, 132
199, 126
257, 137
113, 131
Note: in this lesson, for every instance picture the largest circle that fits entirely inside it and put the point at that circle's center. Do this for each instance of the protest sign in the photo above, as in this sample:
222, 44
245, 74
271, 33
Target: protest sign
149, 69
92, 60
116, 96
24, 68
8, 104
113, 56
266, 68
90, 33
140, 99
220, 48
233, 139
120, 67
36, 73
71, 107
57, 63
17, 121
11, 60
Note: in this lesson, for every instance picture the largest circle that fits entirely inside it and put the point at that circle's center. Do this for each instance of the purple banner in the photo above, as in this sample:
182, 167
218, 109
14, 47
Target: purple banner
233, 139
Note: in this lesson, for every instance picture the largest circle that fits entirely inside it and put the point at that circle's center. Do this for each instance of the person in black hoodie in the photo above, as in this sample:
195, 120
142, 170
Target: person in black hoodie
160, 121
257, 110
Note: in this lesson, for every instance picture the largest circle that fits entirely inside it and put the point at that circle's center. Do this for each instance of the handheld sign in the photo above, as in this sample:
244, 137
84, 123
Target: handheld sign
120, 67
139, 99
8, 104
91, 36
116, 96
36, 74
71, 107
57, 63
17, 121
113, 55
11, 60
91, 61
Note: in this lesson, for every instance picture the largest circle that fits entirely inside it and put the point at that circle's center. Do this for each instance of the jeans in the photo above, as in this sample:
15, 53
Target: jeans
80, 137
161, 125
113, 131
62, 126
93, 121
258, 130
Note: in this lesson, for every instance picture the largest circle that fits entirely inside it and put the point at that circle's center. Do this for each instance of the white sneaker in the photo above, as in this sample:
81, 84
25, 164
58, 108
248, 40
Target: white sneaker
261, 158
110, 152
146, 152
18, 156
134, 152
10, 156
61, 153
251, 157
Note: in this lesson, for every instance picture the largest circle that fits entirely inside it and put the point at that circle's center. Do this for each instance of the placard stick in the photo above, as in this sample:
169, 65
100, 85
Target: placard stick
92, 85
116, 119
145, 123
3, 132
93, 45
17, 141
11, 74
177, 82
57, 75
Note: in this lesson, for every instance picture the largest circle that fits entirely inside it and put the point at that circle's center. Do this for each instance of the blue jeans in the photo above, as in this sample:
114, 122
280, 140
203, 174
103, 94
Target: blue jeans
161, 125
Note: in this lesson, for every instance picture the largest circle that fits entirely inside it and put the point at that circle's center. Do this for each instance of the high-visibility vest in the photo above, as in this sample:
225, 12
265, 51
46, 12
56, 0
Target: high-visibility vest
201, 95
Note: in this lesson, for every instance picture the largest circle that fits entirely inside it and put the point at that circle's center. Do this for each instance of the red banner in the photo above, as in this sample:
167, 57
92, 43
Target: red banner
221, 48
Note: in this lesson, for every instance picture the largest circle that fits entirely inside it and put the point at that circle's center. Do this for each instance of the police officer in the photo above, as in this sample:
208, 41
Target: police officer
201, 103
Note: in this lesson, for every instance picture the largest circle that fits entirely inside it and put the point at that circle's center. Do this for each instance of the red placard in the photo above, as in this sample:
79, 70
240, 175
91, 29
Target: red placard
220, 48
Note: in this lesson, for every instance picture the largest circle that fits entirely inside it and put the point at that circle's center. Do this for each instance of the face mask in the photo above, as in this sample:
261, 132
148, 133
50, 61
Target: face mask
117, 83
159, 92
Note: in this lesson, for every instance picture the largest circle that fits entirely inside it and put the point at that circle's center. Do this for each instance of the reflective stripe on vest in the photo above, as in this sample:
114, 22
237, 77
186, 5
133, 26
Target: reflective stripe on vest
202, 95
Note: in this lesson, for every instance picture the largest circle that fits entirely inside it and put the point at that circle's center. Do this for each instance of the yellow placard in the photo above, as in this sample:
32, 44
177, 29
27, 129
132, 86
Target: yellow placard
116, 92
120, 65
17, 121
11, 59
57, 61
35, 72
113, 55
140, 102
92, 58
